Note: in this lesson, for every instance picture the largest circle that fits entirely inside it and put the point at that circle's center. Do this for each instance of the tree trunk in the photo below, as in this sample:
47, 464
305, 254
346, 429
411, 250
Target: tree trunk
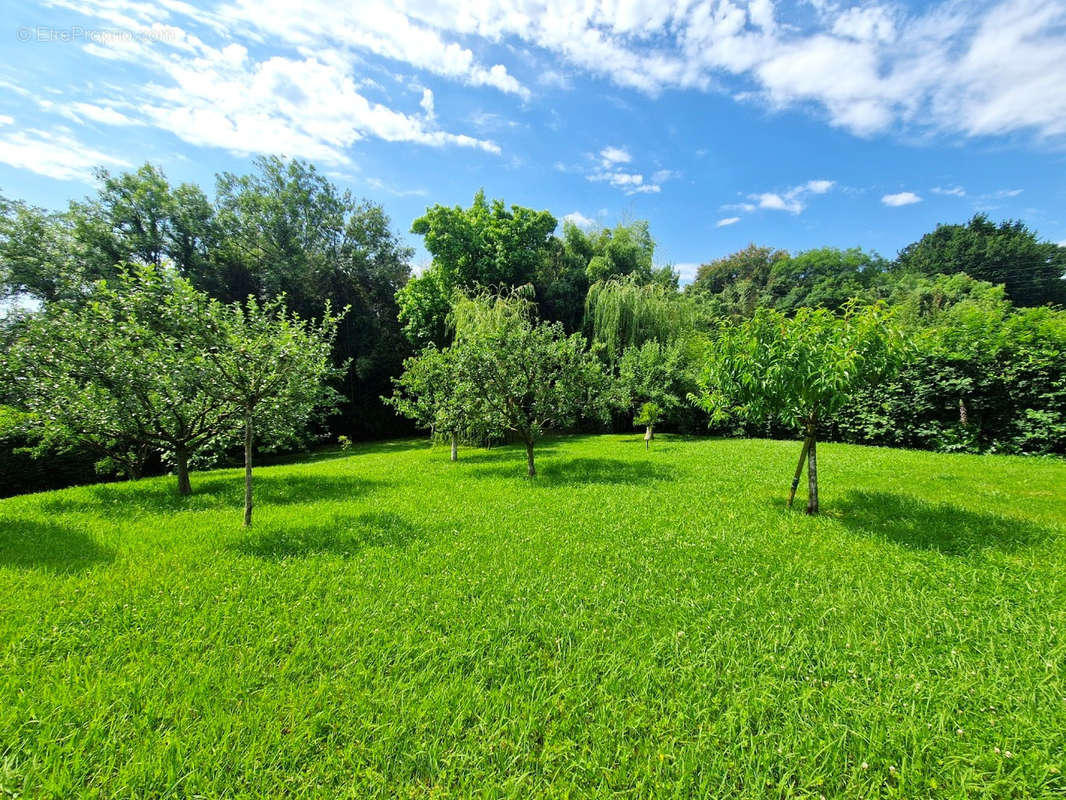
964, 414
181, 458
812, 477
248, 434
529, 460
455, 447
799, 469
649, 434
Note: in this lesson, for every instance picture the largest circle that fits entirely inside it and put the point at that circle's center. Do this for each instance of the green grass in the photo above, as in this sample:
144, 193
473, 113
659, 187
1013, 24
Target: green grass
629, 624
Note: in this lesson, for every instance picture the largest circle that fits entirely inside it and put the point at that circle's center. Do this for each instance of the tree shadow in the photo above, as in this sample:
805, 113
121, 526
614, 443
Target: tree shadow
211, 492
573, 471
922, 525
49, 546
497, 455
341, 535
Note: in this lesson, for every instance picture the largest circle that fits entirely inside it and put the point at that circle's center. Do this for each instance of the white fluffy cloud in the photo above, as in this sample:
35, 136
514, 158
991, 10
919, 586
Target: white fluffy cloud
279, 76
793, 200
901, 199
984, 67
55, 154
309, 104
579, 219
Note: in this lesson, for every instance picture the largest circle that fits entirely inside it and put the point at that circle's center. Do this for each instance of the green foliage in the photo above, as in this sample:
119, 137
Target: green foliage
396, 625
271, 367
122, 375
486, 245
626, 313
625, 250
283, 228
981, 378
435, 392
656, 374
650, 414
759, 277
799, 370
528, 376
1008, 253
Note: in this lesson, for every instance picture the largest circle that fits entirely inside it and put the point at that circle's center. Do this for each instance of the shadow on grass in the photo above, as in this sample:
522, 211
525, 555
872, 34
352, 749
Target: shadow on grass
32, 544
576, 471
212, 492
916, 523
341, 535
496, 455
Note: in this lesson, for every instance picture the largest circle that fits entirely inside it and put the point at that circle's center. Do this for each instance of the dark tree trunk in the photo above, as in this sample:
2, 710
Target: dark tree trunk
181, 458
799, 469
812, 477
529, 460
455, 447
248, 438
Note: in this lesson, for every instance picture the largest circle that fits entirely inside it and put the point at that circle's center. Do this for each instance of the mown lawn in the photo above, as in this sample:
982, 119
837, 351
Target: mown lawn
629, 624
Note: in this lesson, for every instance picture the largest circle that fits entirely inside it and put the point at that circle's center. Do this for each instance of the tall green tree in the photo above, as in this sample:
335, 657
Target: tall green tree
529, 375
436, 394
272, 367
625, 313
1009, 253
123, 375
486, 245
799, 370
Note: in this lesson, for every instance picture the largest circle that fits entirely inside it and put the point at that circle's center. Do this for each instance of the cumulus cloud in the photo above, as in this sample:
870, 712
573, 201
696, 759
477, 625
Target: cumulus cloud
301, 106
984, 68
579, 219
54, 154
793, 200
901, 199
614, 155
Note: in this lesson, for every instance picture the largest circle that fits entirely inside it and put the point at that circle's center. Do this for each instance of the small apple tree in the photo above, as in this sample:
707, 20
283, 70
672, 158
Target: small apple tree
800, 370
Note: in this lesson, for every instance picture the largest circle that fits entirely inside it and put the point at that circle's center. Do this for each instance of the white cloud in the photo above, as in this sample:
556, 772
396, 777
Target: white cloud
901, 199
985, 68
579, 219
629, 182
726, 221
382, 186
309, 107
427, 104
614, 155
54, 154
380, 28
687, 270
6, 120
793, 200
950, 191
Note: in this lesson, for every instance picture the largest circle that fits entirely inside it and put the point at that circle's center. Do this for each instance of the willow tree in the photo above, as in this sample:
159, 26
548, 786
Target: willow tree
624, 313
798, 370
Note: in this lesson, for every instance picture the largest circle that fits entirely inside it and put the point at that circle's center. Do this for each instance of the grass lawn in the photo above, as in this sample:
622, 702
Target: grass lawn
629, 624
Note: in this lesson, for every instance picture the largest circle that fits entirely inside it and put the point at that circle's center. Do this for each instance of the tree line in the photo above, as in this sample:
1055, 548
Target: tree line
567, 327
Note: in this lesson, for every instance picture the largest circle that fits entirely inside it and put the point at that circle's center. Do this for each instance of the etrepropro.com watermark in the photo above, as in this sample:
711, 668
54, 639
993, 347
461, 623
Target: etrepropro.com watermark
76, 33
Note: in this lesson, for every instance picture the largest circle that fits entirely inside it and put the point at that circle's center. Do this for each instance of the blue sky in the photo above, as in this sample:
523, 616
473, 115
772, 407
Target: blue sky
791, 124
